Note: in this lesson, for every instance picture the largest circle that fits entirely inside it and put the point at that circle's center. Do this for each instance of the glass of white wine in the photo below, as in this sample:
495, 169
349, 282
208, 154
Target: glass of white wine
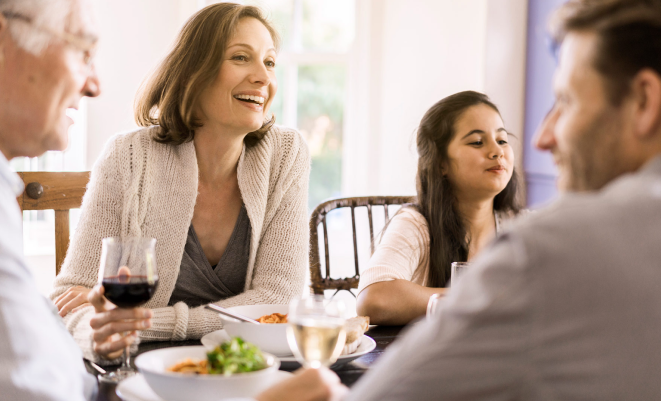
316, 330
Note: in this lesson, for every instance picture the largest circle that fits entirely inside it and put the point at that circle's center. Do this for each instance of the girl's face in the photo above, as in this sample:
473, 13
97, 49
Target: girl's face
480, 159
239, 98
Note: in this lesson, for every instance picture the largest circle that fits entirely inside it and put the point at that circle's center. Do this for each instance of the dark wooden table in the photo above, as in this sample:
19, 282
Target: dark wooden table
348, 373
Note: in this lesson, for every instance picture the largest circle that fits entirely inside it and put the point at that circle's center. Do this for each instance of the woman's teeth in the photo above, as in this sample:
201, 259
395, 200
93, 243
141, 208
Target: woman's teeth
250, 98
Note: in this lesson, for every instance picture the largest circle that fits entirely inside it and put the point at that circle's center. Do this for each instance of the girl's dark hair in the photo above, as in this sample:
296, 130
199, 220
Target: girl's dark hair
436, 199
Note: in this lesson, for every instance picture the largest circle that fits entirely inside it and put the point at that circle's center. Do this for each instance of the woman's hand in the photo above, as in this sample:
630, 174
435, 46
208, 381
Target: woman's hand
71, 299
308, 385
110, 322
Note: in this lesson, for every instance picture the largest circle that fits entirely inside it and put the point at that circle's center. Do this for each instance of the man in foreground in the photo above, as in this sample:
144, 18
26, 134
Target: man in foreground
568, 304
46, 49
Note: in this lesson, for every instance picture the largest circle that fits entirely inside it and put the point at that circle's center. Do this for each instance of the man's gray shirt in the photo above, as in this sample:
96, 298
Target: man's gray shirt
38, 358
565, 306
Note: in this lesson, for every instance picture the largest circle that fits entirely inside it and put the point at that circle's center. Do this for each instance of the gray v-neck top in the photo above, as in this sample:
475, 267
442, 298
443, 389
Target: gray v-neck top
200, 283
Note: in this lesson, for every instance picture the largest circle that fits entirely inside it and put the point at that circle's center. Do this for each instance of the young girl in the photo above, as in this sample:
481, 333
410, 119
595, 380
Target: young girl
466, 188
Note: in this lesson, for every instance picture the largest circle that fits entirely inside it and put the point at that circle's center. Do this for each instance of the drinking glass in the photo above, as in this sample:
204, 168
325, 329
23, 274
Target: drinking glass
128, 274
316, 332
458, 269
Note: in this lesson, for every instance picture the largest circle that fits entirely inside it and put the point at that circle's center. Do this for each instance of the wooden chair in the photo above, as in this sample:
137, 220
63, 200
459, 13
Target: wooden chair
59, 191
319, 283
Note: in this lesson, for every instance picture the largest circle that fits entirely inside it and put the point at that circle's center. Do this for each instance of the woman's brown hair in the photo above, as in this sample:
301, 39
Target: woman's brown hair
436, 200
170, 95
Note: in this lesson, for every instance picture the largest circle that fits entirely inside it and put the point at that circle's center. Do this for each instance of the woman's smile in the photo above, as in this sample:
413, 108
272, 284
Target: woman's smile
253, 100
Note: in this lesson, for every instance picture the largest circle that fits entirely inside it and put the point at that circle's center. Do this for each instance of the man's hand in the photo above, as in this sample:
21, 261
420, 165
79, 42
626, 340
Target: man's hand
71, 299
110, 322
308, 385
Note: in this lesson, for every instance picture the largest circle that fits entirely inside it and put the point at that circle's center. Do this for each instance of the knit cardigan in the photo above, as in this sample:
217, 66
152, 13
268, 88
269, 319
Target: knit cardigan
140, 187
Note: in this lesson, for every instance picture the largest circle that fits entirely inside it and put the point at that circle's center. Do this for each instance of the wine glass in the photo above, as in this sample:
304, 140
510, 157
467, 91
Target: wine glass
316, 332
128, 274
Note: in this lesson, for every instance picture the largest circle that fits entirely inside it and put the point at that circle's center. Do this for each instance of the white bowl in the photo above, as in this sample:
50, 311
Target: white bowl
268, 337
183, 387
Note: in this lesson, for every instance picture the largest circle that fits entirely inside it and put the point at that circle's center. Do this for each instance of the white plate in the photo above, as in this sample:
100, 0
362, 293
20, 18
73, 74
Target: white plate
136, 388
367, 344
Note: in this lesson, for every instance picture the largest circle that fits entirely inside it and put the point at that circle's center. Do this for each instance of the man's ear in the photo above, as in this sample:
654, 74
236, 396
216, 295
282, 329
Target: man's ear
646, 97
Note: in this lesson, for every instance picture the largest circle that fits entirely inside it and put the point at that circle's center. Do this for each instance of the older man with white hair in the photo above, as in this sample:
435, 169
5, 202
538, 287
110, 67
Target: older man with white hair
46, 53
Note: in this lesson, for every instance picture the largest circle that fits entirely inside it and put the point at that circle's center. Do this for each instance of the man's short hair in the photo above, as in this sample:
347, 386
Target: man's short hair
51, 14
629, 37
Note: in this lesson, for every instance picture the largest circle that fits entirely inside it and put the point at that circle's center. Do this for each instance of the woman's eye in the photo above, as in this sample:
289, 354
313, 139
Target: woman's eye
240, 58
270, 63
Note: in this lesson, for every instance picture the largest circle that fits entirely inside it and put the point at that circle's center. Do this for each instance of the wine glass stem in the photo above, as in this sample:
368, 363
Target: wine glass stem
126, 360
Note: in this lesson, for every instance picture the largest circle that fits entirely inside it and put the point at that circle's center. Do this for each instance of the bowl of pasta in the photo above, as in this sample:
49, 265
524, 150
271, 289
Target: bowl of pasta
270, 335
233, 369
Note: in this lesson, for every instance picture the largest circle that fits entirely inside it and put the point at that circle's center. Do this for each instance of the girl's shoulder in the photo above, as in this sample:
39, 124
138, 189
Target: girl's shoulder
411, 215
409, 222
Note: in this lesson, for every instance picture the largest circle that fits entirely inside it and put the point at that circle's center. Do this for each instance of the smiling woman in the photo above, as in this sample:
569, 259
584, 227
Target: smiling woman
220, 187
466, 187
221, 35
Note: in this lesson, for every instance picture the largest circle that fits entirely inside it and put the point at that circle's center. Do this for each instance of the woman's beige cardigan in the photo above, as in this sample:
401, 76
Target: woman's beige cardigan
143, 188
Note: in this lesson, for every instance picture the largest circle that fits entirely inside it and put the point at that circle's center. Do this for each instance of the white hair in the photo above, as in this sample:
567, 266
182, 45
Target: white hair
50, 14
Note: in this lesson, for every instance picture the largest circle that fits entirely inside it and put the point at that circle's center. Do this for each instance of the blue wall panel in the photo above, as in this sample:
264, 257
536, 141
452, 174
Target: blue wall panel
538, 166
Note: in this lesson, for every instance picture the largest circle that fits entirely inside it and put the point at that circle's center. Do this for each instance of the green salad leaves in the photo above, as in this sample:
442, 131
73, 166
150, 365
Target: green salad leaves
235, 356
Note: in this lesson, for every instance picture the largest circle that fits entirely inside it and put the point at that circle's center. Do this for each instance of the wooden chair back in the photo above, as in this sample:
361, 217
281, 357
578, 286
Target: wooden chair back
60, 191
319, 283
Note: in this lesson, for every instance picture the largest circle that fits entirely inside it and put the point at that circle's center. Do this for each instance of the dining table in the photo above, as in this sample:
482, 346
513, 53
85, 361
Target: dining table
349, 373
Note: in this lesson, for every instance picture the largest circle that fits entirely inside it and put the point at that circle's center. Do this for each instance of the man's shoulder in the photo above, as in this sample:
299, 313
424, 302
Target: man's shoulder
626, 197
594, 227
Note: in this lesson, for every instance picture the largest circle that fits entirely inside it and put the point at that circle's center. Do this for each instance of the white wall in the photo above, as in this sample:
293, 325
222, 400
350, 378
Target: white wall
135, 36
505, 67
407, 56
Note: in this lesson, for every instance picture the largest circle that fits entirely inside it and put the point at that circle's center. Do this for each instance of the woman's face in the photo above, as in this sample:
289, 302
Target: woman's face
239, 98
480, 158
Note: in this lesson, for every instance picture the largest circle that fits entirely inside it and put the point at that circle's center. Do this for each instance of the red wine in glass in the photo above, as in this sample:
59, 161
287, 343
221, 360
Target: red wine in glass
129, 291
127, 271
